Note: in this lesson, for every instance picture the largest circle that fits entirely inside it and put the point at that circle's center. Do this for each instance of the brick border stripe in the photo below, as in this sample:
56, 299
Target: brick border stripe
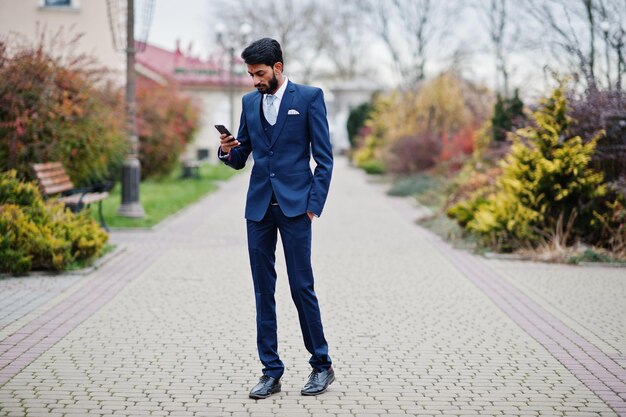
25, 345
597, 371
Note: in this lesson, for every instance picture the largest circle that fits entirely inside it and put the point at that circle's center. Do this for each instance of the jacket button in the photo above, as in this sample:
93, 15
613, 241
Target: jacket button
272, 175
271, 153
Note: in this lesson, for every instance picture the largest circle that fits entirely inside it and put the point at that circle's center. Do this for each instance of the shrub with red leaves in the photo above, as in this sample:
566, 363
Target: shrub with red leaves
54, 109
412, 154
457, 147
166, 122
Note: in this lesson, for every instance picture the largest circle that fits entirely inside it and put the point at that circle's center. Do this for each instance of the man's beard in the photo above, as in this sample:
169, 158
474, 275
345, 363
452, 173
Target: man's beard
272, 85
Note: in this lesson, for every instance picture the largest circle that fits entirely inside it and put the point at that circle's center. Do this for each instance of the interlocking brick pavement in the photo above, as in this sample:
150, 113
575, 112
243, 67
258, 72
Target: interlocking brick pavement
410, 333
21, 296
573, 294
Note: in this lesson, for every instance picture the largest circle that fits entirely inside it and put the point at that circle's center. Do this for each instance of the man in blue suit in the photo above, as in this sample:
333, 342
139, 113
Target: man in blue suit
282, 125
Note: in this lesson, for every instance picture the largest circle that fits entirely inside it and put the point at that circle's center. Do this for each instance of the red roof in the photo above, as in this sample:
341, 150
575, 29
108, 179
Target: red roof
189, 70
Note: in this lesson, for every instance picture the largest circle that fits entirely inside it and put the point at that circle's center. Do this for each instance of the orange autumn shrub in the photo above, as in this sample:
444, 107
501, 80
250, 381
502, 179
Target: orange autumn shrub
166, 123
57, 109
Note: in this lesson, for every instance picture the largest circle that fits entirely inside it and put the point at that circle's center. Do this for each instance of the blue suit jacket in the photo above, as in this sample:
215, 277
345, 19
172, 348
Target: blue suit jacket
282, 163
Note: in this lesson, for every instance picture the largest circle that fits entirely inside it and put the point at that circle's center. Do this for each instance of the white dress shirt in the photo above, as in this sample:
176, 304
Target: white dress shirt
279, 96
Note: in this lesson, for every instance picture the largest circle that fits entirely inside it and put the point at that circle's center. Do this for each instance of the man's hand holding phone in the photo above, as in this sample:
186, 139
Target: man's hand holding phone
227, 140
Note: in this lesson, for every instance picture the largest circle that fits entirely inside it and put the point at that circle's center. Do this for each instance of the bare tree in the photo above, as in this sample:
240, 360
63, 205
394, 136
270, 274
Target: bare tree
613, 27
314, 36
347, 40
408, 28
504, 34
576, 29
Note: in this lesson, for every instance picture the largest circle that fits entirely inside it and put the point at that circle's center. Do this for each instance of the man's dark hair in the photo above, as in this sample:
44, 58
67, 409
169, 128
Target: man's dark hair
264, 51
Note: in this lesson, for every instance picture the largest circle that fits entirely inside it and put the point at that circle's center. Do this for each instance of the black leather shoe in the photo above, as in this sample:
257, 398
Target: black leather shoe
266, 387
318, 382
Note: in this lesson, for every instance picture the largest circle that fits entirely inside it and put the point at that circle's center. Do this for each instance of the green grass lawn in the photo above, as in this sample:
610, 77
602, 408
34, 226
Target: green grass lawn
164, 196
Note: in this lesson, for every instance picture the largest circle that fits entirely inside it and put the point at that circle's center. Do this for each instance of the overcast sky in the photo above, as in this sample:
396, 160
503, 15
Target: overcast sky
186, 20
190, 21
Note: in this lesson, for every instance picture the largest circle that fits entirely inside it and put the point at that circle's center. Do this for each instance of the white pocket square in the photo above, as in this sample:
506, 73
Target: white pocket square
293, 111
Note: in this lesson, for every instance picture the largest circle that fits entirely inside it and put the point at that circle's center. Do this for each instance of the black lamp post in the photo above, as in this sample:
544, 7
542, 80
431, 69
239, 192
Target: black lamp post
131, 171
230, 41
122, 22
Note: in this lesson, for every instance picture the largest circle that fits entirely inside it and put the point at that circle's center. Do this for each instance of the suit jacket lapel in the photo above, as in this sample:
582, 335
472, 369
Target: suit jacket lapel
256, 117
285, 105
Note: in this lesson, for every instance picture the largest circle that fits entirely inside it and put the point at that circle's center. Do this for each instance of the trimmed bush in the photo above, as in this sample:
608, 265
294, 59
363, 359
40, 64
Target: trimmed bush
35, 234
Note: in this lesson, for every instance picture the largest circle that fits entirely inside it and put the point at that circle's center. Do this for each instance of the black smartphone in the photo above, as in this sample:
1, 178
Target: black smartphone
222, 129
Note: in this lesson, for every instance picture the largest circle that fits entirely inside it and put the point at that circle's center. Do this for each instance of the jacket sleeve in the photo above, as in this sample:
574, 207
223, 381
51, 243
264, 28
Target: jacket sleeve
322, 152
239, 155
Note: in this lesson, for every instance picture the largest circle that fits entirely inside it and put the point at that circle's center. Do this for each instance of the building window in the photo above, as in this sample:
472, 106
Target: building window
64, 5
57, 3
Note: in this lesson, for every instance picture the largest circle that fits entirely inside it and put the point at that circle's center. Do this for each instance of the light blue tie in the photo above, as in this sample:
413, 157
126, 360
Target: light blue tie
270, 114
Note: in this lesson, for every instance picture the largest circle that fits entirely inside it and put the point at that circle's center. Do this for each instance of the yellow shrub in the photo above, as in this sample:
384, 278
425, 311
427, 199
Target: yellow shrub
35, 234
546, 182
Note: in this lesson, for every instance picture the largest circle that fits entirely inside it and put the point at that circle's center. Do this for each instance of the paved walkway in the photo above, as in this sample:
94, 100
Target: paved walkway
414, 326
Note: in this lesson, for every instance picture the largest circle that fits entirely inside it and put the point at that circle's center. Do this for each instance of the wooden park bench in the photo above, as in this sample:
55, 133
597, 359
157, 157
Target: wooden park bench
54, 181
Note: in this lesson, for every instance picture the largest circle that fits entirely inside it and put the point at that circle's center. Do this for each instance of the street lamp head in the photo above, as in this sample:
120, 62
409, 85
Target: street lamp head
245, 29
230, 39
